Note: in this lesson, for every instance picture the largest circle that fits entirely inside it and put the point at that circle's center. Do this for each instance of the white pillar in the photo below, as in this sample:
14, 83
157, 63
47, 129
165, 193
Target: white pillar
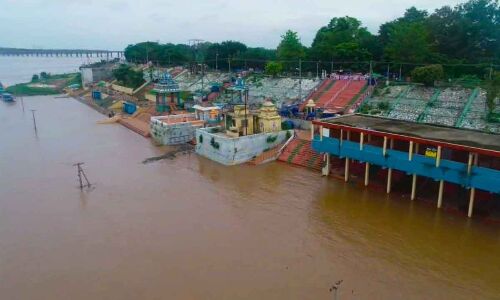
361, 139
326, 168
471, 202
440, 194
384, 149
438, 157
389, 180
312, 131
346, 170
410, 151
469, 163
341, 136
413, 186
320, 133
367, 173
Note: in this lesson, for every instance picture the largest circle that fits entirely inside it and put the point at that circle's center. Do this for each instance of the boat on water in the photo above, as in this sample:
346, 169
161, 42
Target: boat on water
7, 97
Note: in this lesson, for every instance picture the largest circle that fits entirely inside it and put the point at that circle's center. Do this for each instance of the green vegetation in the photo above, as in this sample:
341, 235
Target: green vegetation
463, 39
214, 144
271, 139
427, 75
127, 76
274, 68
45, 84
492, 93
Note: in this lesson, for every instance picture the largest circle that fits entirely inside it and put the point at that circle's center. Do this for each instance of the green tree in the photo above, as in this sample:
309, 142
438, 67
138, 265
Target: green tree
492, 92
290, 47
274, 68
468, 32
128, 76
344, 39
35, 78
427, 75
408, 42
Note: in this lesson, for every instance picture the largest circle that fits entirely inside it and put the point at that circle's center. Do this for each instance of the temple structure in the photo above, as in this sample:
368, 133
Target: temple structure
164, 89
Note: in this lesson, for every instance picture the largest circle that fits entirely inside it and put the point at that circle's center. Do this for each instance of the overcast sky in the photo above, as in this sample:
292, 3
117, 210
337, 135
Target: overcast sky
113, 24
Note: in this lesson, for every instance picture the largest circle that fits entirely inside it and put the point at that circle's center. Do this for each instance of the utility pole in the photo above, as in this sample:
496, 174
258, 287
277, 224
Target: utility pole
400, 69
491, 71
317, 69
388, 76
216, 60
331, 67
22, 103
34, 120
80, 174
371, 70
300, 79
246, 120
229, 63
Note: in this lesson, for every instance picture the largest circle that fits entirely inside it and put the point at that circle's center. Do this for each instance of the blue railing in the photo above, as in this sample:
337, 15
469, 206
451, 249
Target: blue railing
450, 171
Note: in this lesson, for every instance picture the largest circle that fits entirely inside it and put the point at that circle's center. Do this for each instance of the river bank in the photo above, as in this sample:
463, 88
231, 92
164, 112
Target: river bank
189, 228
46, 85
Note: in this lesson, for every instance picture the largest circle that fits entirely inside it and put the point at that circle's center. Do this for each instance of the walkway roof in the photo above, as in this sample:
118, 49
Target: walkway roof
461, 139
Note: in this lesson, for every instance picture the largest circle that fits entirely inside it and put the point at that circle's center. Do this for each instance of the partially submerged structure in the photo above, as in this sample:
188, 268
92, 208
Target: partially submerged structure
179, 129
245, 136
462, 158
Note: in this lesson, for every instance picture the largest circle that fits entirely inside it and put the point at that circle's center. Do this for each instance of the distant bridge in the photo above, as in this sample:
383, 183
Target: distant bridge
60, 52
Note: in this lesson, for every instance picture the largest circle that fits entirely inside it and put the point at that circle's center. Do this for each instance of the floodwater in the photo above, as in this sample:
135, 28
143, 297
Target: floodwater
188, 228
19, 69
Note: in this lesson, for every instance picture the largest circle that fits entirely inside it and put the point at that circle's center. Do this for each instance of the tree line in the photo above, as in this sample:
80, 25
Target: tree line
465, 39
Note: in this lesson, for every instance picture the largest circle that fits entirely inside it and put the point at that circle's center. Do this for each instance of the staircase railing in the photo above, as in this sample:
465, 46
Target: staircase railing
338, 93
467, 107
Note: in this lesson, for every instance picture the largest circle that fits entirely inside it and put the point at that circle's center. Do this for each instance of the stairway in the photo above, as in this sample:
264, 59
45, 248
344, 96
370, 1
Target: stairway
299, 152
348, 90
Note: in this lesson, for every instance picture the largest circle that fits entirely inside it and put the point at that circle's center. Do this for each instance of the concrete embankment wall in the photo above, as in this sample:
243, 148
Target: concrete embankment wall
233, 151
172, 134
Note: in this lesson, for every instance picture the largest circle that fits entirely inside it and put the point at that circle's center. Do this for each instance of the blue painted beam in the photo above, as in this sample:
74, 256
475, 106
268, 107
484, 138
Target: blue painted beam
450, 171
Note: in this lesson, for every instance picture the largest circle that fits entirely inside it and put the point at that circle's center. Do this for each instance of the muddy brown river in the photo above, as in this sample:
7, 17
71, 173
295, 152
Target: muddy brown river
189, 228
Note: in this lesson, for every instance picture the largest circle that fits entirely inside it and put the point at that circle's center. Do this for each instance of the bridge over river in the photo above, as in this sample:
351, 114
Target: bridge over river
60, 52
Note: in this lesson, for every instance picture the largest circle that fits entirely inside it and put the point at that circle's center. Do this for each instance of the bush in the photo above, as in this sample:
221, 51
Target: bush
35, 78
200, 139
288, 134
214, 143
383, 105
427, 75
271, 139
273, 68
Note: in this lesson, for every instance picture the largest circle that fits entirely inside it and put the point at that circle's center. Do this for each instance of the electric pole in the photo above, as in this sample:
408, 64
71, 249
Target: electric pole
80, 174
300, 79
216, 60
34, 120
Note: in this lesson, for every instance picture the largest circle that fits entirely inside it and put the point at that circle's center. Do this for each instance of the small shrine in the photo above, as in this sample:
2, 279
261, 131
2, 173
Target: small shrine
310, 107
239, 122
269, 119
164, 89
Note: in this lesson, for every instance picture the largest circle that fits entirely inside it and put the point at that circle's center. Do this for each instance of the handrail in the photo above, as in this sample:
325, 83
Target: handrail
467, 107
338, 93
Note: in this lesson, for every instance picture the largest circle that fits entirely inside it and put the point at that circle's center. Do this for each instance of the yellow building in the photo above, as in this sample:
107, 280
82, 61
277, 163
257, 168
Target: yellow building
237, 119
269, 120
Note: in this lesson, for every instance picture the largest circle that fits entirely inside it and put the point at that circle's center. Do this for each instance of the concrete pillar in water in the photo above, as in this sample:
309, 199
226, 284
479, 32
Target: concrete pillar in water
312, 131
389, 180
326, 169
367, 173
346, 170
440, 194
320, 133
413, 186
471, 202
361, 139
